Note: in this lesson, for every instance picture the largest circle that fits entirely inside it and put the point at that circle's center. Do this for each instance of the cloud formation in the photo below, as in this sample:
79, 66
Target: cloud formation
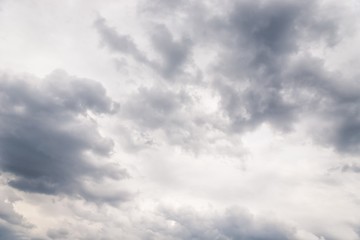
260, 39
231, 224
49, 143
220, 120
171, 54
265, 71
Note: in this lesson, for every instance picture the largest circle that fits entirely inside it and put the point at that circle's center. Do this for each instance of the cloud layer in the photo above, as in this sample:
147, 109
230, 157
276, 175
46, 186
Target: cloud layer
179, 120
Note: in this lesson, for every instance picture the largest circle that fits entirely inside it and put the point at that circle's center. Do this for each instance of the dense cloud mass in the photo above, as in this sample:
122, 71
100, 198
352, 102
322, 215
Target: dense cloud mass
205, 120
276, 77
265, 71
262, 41
47, 137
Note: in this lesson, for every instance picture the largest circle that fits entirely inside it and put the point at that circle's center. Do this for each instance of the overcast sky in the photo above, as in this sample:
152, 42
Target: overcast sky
179, 120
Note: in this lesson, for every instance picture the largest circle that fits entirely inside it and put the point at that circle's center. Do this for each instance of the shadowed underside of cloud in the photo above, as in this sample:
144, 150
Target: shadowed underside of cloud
48, 142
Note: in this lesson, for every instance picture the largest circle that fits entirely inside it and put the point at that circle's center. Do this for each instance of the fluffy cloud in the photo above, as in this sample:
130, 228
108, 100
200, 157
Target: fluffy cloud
49, 142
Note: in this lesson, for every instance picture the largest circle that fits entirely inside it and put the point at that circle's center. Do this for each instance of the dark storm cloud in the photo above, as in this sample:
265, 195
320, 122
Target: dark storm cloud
332, 98
258, 39
47, 138
267, 74
172, 53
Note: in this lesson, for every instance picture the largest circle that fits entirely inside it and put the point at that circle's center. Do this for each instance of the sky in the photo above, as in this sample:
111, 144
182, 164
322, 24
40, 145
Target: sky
179, 120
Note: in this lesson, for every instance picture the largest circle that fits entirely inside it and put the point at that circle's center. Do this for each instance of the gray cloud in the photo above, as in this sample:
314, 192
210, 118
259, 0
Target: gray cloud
259, 38
9, 234
155, 107
172, 113
8, 215
234, 223
173, 53
264, 73
331, 98
168, 6
118, 42
58, 233
47, 138
267, 74
350, 168
13, 226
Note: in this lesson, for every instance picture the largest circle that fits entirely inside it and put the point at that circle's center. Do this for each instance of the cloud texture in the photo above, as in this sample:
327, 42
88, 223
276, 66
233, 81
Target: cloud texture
179, 120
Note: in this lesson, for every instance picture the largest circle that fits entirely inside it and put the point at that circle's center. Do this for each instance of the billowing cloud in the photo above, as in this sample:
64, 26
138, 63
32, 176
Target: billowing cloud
260, 39
265, 70
267, 73
49, 142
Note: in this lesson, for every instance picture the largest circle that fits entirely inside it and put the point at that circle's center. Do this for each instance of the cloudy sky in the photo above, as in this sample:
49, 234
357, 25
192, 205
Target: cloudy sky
179, 120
